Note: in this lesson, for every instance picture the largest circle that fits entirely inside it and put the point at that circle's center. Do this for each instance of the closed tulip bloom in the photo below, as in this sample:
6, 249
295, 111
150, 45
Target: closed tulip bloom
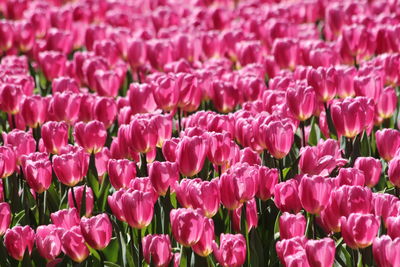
301, 101
166, 92
70, 168
384, 205
54, 136
115, 203
268, 178
346, 77
121, 172
97, 231
105, 110
66, 218
91, 136
251, 216
190, 155
182, 190
371, 168
141, 98
144, 185
34, 110
73, 244
387, 103
6, 35
386, 251
291, 225
350, 176
359, 230
52, 64
349, 117
22, 143
204, 248
393, 227
163, 175
227, 192
78, 191
48, 242
387, 142
245, 180
205, 196
19, 239
321, 253
5, 217
63, 84
7, 160
314, 193
287, 196
38, 174
10, 98
65, 107
138, 208
394, 171
187, 226
291, 247
225, 96
286, 53
136, 53
143, 135
231, 251
157, 250
169, 148
220, 148
278, 137
324, 81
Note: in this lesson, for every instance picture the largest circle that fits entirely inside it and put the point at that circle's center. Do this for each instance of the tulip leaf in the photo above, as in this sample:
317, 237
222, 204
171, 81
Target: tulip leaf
314, 136
111, 264
94, 184
111, 251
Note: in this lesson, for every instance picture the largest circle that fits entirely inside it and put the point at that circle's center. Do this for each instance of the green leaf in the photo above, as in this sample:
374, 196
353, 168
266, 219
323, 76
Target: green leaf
111, 251
314, 136
111, 264
93, 182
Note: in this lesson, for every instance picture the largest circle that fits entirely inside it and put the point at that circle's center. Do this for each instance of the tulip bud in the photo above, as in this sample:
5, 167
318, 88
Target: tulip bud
91, 136
143, 135
301, 101
38, 173
220, 148
7, 161
371, 168
70, 168
278, 137
73, 244
387, 103
346, 77
205, 196
65, 107
231, 251
105, 110
115, 203
65, 219
286, 53
121, 172
5, 217
291, 225
64, 84
251, 216
320, 253
10, 98
78, 191
166, 92
387, 142
34, 110
324, 81
225, 96
17, 240
52, 64
136, 53
287, 196
144, 185
138, 208
141, 98
290, 249
394, 171
187, 226
97, 231
204, 246
268, 178
48, 242
169, 148
384, 205
54, 136
359, 230
189, 166
163, 175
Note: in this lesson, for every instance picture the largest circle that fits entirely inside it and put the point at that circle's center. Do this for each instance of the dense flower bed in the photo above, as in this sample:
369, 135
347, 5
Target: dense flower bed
199, 133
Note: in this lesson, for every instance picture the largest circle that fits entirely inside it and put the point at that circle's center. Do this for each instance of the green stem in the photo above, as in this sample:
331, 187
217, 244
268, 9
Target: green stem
303, 134
143, 164
179, 120
74, 198
140, 252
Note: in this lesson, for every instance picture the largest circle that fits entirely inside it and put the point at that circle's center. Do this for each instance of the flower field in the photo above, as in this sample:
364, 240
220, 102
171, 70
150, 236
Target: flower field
200, 133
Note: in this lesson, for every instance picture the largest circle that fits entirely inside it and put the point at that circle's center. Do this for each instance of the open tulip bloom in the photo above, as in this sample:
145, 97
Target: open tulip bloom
199, 133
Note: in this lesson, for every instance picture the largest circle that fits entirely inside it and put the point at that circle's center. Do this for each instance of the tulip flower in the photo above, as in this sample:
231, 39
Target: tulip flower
386, 251
34, 110
48, 242
38, 174
287, 196
182, 190
320, 253
121, 172
301, 101
10, 98
268, 178
22, 143
387, 103
52, 64
157, 250
166, 92
91, 136
371, 168
289, 248
314, 193
19, 239
65, 219
97, 231
205, 196
64, 84
138, 208
190, 95
141, 98
54, 136
72, 167
286, 53
187, 226
348, 117
78, 192
143, 135
251, 216
190, 155
384, 205
136, 53
359, 230
65, 107
350, 176
204, 246
394, 171
291, 225
278, 137
144, 185
163, 175
324, 81
225, 96
115, 203
169, 148
73, 244
387, 142
7, 160
5, 217
105, 110
231, 251
220, 148
346, 77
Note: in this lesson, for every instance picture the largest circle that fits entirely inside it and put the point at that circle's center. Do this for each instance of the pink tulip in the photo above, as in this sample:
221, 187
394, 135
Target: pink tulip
394, 171
141, 98
34, 110
105, 110
38, 173
48, 242
393, 224
97, 231
52, 64
71, 168
190, 93
371, 168
189, 166
138, 208
143, 135
225, 96
324, 81
346, 77
369, 86
251, 216
387, 142
107, 49
187, 226
21, 142
166, 92
157, 249
384, 205
6, 35
204, 246
205, 196
65, 219
7, 160
301, 101
220, 148
5, 217
227, 192
314, 193
18, 239
278, 137
54, 136
91, 136
287, 196
65, 107
286, 53
320, 253
183, 194
64, 84
386, 251
144, 185
78, 191
231, 251
115, 203
359, 230
163, 175
268, 178
121, 172
290, 249
10, 98
291, 225
73, 244
350, 176
358, 41
387, 103
136, 53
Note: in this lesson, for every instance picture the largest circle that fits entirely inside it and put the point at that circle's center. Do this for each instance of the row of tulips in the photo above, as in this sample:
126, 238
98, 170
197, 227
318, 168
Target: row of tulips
199, 133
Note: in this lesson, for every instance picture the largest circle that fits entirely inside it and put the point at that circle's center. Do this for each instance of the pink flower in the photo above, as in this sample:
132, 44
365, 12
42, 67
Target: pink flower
359, 230
231, 251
